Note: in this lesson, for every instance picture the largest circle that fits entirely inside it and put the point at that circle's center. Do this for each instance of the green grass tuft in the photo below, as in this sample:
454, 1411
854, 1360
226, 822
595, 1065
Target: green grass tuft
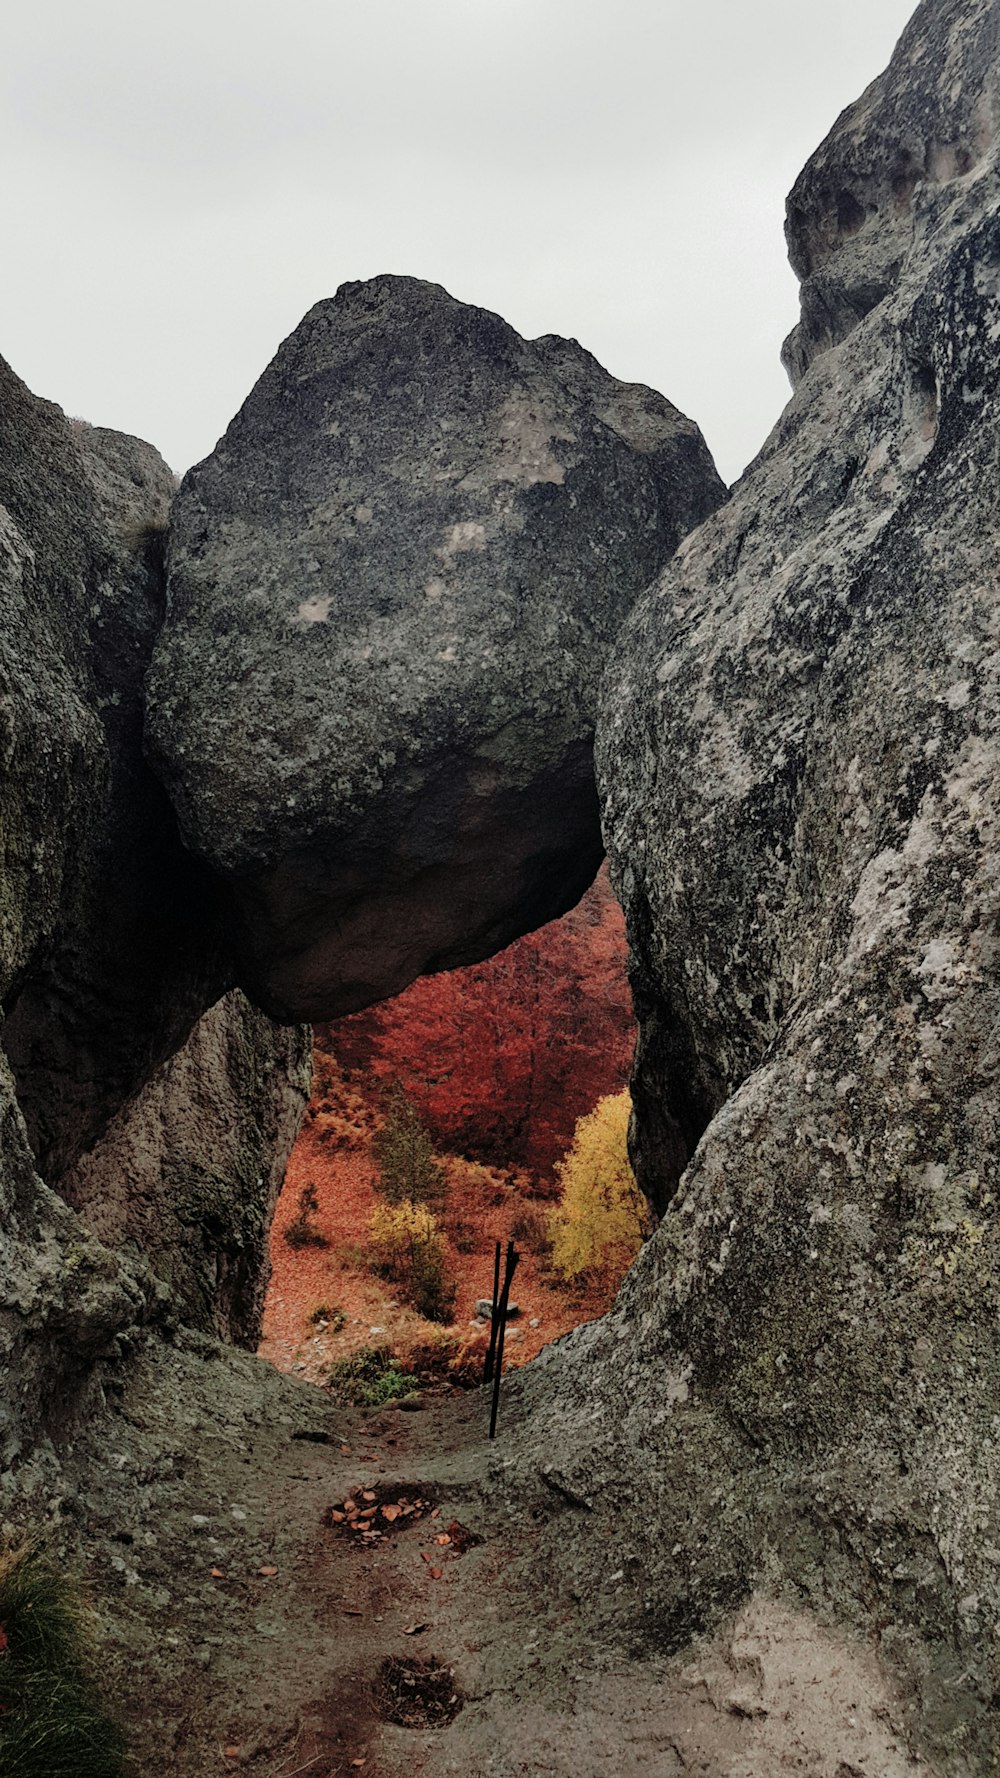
52, 1721
367, 1378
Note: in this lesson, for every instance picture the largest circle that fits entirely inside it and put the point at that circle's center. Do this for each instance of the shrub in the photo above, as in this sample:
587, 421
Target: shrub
52, 1721
367, 1378
465, 1370
530, 1227
433, 1354
408, 1248
302, 1230
602, 1218
408, 1169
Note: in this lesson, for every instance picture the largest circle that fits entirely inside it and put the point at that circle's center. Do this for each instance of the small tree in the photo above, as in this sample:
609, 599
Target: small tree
408, 1247
602, 1218
408, 1169
302, 1231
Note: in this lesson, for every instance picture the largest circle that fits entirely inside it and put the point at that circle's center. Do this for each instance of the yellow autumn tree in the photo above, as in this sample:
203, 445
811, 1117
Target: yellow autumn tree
408, 1247
602, 1218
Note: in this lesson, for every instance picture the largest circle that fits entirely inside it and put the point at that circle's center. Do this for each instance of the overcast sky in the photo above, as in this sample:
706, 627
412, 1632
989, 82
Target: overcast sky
182, 181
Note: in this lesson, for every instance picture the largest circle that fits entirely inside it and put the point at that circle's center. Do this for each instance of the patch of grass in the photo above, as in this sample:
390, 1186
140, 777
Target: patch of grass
367, 1378
52, 1721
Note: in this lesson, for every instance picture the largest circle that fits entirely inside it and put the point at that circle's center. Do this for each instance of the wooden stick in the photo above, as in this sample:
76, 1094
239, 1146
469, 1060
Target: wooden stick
509, 1269
491, 1354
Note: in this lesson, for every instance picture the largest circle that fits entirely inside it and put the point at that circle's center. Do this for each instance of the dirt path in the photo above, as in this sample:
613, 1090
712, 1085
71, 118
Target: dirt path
247, 1633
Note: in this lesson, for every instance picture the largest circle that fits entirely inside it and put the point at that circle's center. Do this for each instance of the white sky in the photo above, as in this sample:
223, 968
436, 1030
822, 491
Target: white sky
182, 181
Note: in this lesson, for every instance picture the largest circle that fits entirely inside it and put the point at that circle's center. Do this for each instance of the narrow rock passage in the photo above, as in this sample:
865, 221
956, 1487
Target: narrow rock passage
248, 1634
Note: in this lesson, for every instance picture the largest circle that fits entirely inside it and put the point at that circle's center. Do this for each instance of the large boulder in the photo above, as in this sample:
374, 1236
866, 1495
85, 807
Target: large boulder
392, 588
799, 759
65, 1300
849, 215
108, 930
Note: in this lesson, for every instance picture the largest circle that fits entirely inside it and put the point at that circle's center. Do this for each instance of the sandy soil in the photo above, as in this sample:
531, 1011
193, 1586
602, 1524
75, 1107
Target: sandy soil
246, 1633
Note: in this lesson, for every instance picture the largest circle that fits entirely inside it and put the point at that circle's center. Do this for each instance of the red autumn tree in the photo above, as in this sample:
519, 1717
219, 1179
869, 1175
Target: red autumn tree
502, 1059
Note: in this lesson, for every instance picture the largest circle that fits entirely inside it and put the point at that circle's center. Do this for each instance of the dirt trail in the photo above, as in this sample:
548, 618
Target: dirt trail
247, 1634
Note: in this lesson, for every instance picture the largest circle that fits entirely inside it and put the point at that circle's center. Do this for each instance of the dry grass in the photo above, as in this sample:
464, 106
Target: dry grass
52, 1721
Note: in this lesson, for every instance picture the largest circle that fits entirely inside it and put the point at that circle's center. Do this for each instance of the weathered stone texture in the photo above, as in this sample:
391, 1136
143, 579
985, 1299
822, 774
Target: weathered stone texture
800, 769
64, 1299
108, 942
925, 122
392, 588
186, 1176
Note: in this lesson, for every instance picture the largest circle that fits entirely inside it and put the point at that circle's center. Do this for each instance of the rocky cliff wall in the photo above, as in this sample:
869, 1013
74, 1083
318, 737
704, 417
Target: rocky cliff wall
110, 947
109, 940
798, 761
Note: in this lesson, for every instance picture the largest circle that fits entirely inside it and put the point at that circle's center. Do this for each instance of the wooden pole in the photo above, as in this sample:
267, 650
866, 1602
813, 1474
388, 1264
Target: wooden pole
491, 1354
509, 1269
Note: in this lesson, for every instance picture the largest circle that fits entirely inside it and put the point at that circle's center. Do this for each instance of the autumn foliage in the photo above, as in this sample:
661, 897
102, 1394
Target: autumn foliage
602, 1218
501, 1059
408, 1248
408, 1169
440, 1124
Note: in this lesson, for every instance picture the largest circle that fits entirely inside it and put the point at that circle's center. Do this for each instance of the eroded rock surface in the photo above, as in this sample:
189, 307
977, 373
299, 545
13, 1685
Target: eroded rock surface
392, 588
65, 1299
187, 1175
800, 768
108, 942
84, 825
849, 220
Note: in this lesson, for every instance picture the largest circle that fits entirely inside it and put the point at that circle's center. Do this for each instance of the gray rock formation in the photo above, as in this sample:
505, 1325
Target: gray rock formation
850, 213
392, 588
108, 946
65, 1300
186, 1176
800, 770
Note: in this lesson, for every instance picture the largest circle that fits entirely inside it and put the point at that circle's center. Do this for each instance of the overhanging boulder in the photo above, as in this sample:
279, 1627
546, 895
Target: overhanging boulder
392, 589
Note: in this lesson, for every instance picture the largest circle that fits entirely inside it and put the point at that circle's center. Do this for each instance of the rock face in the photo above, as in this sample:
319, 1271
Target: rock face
800, 769
109, 941
108, 946
186, 1177
65, 1300
501, 1059
79, 596
392, 588
849, 216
